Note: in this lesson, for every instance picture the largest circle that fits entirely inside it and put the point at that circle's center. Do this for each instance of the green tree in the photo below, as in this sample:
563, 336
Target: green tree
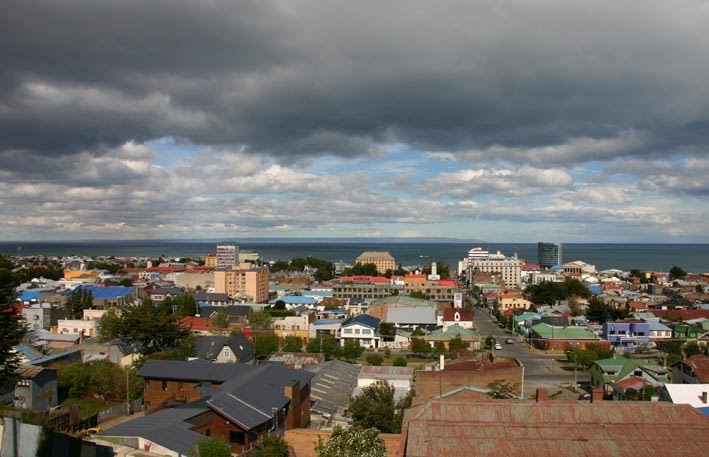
147, 327
98, 377
78, 301
420, 346
186, 305
442, 269
260, 320
11, 328
692, 348
418, 294
280, 304
292, 344
376, 407
500, 388
489, 341
375, 360
597, 311
387, 329
327, 344
215, 446
220, 323
264, 345
272, 446
677, 273
456, 343
351, 350
399, 362
352, 442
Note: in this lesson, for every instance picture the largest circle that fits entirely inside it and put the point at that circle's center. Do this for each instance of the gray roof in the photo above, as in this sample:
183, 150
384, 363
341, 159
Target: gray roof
411, 315
208, 296
194, 370
209, 346
167, 290
235, 310
167, 427
250, 399
332, 385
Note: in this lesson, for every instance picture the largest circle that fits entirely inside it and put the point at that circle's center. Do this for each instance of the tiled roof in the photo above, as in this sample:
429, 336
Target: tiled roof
466, 314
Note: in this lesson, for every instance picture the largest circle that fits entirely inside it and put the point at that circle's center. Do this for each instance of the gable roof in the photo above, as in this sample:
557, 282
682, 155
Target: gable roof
332, 385
210, 346
362, 319
452, 331
466, 314
295, 300
547, 331
699, 364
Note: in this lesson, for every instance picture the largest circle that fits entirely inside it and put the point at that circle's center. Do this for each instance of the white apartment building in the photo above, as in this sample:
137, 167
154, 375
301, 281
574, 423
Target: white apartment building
509, 269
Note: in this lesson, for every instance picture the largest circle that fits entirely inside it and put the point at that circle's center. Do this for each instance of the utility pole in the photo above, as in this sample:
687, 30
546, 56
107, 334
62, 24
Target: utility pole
127, 393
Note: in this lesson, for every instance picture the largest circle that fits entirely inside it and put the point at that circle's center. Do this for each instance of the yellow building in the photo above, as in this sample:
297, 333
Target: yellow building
244, 279
78, 274
210, 260
382, 259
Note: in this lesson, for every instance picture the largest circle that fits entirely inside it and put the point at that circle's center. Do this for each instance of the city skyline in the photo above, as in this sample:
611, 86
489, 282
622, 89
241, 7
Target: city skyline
502, 121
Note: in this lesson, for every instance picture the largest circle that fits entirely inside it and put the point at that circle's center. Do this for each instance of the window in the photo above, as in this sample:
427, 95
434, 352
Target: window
236, 437
227, 353
164, 385
347, 331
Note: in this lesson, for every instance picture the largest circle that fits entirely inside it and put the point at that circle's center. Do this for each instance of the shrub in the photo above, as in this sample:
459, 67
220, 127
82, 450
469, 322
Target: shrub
375, 359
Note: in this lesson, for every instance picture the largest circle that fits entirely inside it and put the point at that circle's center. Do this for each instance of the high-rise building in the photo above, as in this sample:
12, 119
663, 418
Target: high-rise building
243, 280
227, 255
509, 269
548, 254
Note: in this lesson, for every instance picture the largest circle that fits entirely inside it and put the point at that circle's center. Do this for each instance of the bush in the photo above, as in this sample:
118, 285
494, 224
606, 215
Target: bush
387, 352
399, 362
375, 359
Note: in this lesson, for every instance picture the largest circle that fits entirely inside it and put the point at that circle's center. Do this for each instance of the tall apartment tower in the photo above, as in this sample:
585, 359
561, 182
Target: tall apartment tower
548, 254
227, 256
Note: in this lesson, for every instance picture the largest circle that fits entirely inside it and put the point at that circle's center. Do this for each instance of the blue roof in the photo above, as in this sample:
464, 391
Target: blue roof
105, 293
28, 352
295, 299
49, 358
364, 319
327, 321
595, 288
29, 295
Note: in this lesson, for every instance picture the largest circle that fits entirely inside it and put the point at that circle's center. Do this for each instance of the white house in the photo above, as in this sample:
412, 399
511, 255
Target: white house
363, 328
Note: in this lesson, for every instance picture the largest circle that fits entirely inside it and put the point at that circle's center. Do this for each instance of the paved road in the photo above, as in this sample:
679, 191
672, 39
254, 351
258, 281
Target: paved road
540, 369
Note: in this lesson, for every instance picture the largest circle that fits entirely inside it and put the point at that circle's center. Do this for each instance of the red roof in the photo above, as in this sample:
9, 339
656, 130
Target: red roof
446, 283
685, 314
531, 266
466, 314
416, 276
699, 363
366, 279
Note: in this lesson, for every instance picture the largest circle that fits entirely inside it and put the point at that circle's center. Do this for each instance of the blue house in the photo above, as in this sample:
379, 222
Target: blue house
627, 334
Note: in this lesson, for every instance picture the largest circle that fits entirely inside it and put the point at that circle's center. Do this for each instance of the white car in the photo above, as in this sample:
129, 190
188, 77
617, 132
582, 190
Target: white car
498, 346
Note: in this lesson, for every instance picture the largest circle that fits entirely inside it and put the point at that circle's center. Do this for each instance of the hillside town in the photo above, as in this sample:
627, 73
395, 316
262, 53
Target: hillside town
496, 355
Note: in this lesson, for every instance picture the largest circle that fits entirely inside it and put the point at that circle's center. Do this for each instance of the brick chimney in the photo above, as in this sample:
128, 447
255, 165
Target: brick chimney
596, 395
704, 398
542, 396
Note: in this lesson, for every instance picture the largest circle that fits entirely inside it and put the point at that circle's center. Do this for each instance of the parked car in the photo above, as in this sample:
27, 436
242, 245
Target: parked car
498, 346
510, 341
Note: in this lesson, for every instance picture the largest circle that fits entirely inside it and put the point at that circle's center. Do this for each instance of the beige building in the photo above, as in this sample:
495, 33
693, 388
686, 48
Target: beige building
245, 280
210, 260
382, 259
507, 269
192, 280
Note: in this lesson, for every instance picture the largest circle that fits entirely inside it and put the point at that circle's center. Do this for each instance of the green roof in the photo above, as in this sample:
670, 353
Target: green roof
624, 366
452, 331
549, 332
525, 316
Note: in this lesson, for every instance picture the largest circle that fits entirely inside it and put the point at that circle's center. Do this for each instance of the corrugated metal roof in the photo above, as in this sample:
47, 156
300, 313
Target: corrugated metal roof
386, 372
332, 385
411, 315
563, 333
105, 293
464, 427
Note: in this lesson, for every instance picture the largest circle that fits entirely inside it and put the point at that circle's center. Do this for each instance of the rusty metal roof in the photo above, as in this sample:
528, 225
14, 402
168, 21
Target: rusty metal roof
465, 427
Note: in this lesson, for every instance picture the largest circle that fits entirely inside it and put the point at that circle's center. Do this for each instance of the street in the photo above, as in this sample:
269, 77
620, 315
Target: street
540, 370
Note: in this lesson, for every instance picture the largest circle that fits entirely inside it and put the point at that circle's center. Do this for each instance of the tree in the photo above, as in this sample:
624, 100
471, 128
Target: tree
387, 329
260, 320
692, 348
399, 362
420, 346
326, 344
500, 388
375, 360
280, 304
272, 446
264, 345
292, 344
79, 300
597, 311
489, 341
352, 350
11, 328
376, 407
147, 327
677, 273
215, 446
220, 323
98, 377
456, 343
352, 442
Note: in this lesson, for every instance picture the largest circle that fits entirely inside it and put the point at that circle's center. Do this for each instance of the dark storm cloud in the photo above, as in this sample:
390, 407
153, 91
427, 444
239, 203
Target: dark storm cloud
542, 82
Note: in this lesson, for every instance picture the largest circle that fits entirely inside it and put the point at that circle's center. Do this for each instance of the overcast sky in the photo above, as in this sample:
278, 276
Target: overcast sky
506, 121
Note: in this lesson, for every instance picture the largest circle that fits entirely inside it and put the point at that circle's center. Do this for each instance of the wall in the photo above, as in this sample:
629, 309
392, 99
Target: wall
154, 394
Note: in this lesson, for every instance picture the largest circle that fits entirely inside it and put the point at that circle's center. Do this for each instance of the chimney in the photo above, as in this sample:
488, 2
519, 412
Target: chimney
81, 337
442, 363
704, 397
596, 395
542, 396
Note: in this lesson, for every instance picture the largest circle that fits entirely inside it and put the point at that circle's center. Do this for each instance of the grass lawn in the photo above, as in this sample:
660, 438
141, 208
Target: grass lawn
87, 407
